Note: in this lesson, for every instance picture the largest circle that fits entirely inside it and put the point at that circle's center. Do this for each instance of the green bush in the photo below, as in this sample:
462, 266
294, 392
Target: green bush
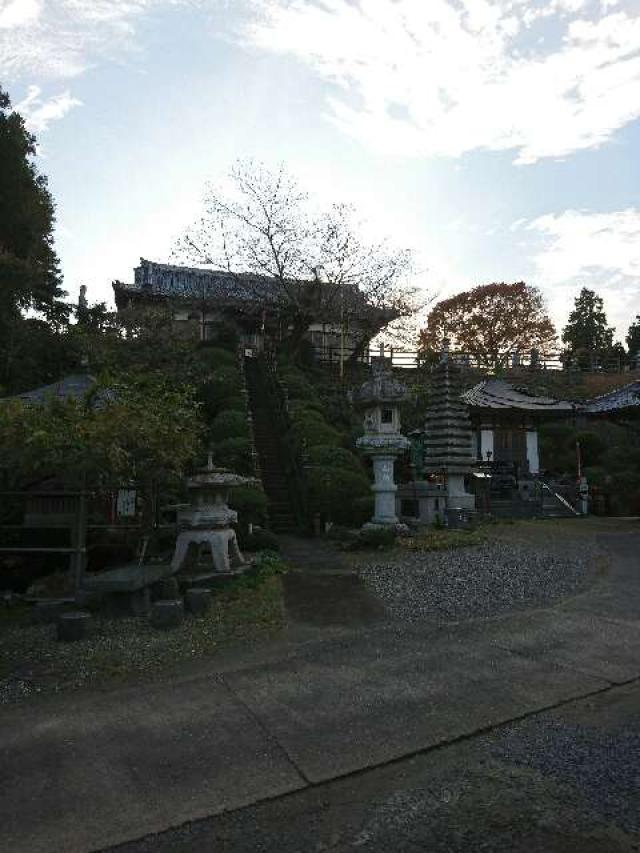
229, 424
215, 357
259, 540
235, 404
297, 385
336, 457
221, 387
234, 453
250, 502
380, 538
309, 429
333, 492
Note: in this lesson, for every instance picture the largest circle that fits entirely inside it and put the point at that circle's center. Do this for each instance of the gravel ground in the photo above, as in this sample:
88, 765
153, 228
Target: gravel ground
489, 579
32, 662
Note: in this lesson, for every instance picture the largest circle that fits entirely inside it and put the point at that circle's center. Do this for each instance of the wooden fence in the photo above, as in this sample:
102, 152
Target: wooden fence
412, 359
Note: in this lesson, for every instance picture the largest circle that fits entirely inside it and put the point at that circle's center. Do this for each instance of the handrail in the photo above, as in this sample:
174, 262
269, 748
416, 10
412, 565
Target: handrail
559, 497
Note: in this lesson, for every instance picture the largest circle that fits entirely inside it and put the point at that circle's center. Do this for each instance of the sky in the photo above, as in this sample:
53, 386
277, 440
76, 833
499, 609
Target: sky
499, 140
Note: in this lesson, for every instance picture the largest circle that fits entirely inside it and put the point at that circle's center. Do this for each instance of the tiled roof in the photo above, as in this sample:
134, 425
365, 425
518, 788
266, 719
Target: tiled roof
627, 397
76, 386
498, 394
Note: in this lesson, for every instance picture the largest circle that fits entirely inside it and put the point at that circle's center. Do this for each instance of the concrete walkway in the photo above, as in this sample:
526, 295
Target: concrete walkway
86, 771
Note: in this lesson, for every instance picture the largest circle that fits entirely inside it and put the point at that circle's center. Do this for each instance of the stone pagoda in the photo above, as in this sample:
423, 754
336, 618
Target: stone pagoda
380, 398
448, 435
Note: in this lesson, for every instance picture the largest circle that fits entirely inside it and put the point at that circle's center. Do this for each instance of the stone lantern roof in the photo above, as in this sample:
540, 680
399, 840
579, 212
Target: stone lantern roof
383, 388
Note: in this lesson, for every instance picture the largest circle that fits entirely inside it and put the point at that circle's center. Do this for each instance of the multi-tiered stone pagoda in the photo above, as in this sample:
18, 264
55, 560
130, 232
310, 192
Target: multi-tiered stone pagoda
448, 435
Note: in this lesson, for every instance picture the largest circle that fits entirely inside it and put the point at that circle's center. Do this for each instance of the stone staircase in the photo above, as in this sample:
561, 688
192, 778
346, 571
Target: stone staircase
268, 433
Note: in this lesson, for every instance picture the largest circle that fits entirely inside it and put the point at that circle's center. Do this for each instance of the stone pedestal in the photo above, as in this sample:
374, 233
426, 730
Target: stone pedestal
167, 614
197, 600
74, 626
384, 489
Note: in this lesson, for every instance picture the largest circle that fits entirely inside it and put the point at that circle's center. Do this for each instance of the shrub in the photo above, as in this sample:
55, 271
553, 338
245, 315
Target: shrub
377, 537
222, 386
259, 540
234, 453
309, 429
250, 502
297, 385
229, 424
215, 357
333, 492
336, 457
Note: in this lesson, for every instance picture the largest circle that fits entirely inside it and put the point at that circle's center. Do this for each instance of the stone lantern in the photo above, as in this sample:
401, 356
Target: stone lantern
380, 398
207, 519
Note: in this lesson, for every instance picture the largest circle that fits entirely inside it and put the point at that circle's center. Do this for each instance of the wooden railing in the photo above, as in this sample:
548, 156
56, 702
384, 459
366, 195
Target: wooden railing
533, 360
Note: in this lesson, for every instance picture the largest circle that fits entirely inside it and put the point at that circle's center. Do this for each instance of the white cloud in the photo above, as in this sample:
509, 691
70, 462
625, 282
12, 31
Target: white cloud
38, 113
62, 38
444, 77
18, 13
597, 250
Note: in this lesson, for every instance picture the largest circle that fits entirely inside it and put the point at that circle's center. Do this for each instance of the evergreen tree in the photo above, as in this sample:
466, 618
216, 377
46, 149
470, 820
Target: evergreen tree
587, 336
29, 271
633, 338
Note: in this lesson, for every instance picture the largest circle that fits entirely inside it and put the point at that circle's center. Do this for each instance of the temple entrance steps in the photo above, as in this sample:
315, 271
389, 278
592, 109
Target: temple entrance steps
268, 432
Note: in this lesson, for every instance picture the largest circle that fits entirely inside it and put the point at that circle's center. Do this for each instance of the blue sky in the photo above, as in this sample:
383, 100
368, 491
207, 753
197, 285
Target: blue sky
498, 140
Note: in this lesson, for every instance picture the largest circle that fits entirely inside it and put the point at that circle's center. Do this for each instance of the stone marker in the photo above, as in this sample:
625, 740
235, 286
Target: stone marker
168, 613
197, 600
74, 626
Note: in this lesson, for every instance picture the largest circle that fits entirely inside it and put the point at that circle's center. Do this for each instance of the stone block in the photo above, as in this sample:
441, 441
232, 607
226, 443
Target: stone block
134, 603
47, 612
197, 600
165, 590
74, 626
168, 613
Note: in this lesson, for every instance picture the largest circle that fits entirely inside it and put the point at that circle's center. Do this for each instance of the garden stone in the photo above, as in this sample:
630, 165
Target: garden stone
197, 600
74, 626
89, 600
167, 614
165, 589
46, 612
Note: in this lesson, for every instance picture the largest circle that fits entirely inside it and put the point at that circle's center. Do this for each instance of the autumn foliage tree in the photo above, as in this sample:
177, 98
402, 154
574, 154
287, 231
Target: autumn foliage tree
489, 322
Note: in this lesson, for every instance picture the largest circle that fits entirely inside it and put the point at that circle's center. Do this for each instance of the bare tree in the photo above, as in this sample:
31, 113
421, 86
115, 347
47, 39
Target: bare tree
306, 265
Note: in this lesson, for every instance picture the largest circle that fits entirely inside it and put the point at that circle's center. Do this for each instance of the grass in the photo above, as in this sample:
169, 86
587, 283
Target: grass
441, 540
32, 662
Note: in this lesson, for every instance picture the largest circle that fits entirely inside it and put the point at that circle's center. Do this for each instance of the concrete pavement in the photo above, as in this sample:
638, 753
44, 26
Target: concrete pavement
85, 771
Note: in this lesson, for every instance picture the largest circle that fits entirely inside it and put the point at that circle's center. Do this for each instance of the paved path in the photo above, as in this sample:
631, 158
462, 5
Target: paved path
92, 770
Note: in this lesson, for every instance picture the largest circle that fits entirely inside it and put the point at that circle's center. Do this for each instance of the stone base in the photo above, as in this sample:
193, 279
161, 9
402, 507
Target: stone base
74, 626
197, 600
167, 614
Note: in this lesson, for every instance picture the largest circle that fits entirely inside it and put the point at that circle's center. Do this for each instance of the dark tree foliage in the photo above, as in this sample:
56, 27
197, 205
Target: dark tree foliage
587, 335
31, 350
29, 272
633, 338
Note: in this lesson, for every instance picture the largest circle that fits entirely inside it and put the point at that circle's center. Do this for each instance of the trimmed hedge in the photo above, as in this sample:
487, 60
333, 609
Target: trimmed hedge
234, 453
229, 424
250, 502
309, 429
221, 387
336, 457
333, 493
